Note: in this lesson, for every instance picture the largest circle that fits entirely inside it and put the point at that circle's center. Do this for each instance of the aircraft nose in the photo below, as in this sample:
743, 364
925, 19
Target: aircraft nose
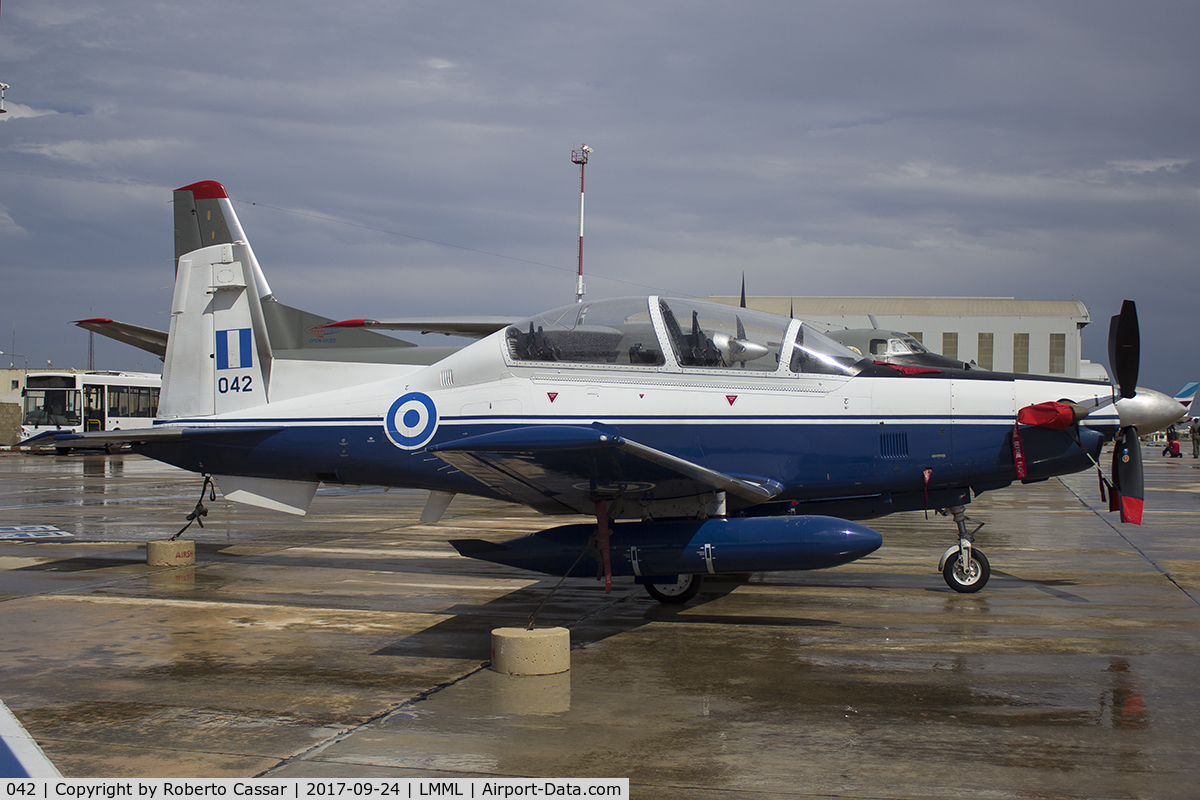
1149, 411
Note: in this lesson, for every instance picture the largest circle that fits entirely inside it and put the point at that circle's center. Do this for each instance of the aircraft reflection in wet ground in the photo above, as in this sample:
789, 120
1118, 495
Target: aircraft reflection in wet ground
360, 631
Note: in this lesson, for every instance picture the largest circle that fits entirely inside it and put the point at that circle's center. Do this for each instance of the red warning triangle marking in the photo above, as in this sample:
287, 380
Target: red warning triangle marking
640, 396
552, 395
731, 398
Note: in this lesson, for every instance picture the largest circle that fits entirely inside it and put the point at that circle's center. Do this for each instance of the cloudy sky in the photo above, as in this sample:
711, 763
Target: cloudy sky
397, 158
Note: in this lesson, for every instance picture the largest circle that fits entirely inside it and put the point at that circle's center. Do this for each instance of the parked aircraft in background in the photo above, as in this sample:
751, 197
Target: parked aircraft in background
890, 347
893, 347
703, 438
1186, 395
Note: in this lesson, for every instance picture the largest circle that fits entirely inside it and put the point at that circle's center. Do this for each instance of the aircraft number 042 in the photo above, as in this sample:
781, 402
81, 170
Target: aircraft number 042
239, 383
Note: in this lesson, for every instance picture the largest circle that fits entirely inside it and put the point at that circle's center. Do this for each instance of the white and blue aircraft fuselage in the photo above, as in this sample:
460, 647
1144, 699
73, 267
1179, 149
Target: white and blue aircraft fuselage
712, 438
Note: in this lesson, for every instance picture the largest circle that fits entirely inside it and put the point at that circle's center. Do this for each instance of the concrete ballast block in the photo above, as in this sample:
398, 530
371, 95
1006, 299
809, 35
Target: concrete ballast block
179, 553
545, 651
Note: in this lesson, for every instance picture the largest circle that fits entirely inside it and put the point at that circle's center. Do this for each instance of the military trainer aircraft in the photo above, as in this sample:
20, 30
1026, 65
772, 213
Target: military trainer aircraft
703, 438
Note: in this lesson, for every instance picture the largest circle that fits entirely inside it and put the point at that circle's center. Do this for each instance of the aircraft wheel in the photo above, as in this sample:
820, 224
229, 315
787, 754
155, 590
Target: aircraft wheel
680, 591
972, 579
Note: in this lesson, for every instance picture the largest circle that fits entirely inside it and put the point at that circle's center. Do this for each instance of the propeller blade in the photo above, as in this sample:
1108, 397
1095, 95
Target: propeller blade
1124, 348
743, 303
1127, 476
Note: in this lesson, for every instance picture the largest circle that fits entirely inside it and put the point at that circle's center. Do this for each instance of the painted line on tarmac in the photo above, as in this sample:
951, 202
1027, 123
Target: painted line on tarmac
351, 551
458, 587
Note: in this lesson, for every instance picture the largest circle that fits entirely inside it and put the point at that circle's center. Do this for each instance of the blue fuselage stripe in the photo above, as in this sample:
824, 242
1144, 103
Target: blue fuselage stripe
811, 457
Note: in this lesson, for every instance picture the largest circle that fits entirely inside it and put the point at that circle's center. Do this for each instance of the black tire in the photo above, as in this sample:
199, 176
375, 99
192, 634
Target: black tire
974, 579
680, 591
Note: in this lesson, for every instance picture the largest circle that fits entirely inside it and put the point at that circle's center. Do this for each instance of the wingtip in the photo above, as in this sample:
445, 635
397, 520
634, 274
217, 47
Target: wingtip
350, 323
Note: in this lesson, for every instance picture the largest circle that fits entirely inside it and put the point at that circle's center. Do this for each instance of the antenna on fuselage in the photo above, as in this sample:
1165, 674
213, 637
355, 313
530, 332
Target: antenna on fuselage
580, 157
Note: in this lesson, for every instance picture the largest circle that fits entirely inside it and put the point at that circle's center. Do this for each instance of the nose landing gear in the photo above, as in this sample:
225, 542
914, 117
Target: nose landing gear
965, 568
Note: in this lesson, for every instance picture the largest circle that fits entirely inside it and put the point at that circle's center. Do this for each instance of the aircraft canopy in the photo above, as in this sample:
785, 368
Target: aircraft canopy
625, 331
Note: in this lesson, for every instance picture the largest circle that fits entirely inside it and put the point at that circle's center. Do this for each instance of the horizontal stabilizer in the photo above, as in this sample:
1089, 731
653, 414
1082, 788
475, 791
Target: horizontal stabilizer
471, 327
148, 339
159, 433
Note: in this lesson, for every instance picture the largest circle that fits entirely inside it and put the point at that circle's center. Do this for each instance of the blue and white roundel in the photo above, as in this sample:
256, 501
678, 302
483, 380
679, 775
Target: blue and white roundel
411, 421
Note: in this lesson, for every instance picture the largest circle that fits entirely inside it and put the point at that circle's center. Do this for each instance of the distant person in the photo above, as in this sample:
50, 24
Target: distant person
1194, 430
1173, 441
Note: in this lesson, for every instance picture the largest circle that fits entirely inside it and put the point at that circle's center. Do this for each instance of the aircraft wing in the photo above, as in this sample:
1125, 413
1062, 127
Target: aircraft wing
471, 327
562, 469
148, 339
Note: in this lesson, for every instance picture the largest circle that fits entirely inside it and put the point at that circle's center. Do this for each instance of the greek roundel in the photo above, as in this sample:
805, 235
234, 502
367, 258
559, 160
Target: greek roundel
411, 421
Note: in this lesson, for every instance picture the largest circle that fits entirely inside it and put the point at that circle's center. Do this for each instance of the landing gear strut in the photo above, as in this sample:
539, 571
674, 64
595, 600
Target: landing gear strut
965, 568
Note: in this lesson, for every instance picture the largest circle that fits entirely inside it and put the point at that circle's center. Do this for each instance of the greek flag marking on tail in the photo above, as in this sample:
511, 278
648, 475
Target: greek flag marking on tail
234, 349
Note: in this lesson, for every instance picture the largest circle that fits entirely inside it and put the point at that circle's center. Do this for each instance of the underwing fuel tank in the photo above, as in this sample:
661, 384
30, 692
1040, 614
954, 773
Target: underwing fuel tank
686, 547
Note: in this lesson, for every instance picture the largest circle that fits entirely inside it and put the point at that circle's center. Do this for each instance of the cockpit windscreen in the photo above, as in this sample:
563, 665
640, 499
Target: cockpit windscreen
814, 352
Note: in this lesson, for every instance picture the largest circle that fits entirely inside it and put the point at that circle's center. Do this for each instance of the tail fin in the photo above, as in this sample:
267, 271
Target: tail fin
232, 345
218, 353
204, 217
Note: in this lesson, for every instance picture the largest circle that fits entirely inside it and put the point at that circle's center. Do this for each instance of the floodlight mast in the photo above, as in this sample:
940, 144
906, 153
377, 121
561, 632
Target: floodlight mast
580, 157
4, 86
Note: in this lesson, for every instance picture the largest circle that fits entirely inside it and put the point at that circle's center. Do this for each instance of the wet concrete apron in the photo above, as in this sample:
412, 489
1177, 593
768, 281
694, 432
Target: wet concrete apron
351, 643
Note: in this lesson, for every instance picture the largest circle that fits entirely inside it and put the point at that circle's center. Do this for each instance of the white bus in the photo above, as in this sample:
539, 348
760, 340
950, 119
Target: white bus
61, 402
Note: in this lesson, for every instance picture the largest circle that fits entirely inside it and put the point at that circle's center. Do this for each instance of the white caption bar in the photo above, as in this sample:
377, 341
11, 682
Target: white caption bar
304, 788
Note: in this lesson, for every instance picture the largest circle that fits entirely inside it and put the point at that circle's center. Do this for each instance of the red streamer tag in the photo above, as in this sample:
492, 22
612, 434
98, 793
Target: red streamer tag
927, 474
1019, 451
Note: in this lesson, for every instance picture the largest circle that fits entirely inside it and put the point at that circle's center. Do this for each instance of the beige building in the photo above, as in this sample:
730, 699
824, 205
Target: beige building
12, 381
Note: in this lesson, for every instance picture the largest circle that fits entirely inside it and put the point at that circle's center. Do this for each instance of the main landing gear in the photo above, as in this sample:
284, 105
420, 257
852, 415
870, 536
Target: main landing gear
965, 568
679, 591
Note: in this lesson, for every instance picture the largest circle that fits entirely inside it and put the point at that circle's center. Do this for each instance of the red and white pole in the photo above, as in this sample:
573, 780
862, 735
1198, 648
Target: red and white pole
580, 157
